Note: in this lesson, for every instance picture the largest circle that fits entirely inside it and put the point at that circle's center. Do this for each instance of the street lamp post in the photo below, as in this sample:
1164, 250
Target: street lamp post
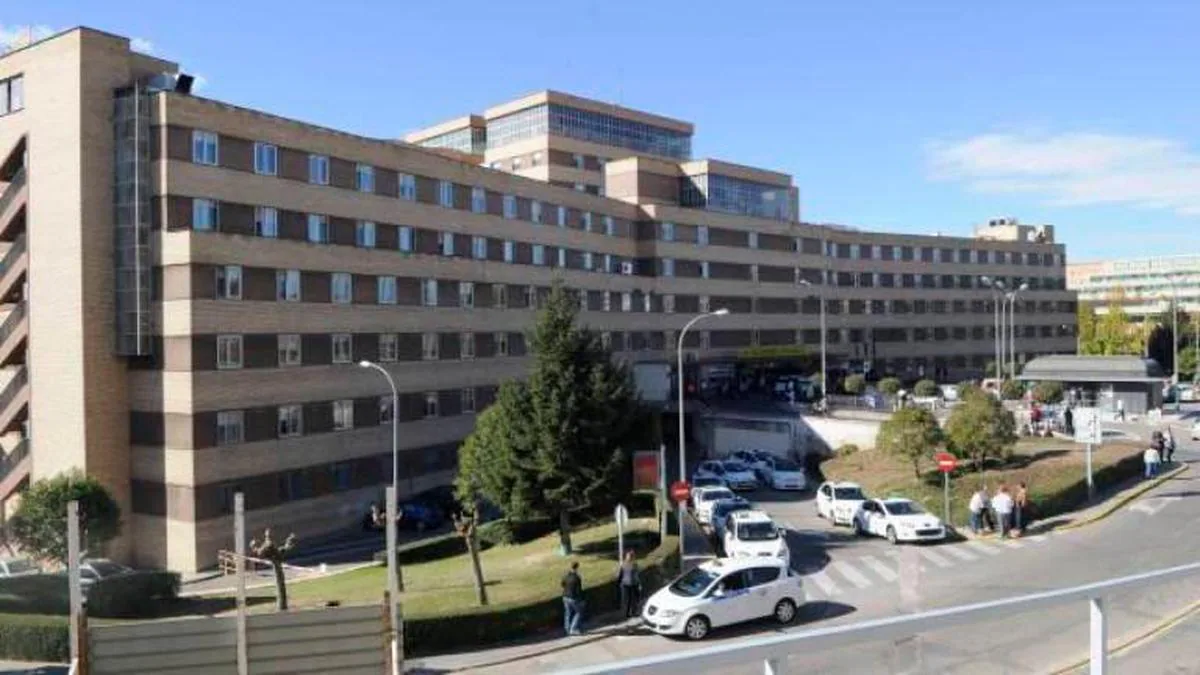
997, 287
395, 428
824, 367
682, 453
1012, 329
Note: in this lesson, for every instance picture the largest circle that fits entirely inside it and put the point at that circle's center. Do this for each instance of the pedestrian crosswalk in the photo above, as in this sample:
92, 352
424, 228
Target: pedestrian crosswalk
841, 577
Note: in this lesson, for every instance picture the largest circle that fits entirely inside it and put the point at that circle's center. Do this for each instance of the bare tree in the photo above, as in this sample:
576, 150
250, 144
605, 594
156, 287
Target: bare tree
275, 554
466, 525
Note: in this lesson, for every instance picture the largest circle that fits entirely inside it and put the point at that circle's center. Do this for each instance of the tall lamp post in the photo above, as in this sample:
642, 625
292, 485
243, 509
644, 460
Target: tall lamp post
1012, 329
682, 453
824, 367
997, 287
395, 428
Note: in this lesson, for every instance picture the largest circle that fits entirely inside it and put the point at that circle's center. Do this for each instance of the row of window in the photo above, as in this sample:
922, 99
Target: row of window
12, 94
231, 348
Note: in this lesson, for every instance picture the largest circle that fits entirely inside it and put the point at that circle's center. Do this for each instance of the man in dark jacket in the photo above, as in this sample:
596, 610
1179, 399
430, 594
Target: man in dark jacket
572, 590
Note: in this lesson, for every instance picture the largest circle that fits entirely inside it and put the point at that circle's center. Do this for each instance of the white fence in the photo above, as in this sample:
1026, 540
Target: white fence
773, 650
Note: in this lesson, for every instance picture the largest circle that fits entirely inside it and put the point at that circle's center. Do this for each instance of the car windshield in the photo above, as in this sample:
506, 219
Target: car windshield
693, 583
735, 466
848, 493
714, 495
727, 508
904, 508
105, 568
19, 566
786, 465
757, 532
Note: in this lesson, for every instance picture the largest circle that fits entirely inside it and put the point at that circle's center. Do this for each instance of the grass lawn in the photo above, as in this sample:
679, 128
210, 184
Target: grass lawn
1046, 465
515, 575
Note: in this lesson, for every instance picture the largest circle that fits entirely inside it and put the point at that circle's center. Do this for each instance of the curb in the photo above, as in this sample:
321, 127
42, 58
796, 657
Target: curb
1122, 500
1139, 639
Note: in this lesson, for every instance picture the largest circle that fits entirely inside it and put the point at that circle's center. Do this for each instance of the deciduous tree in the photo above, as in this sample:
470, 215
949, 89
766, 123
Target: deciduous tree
911, 434
275, 553
980, 428
40, 522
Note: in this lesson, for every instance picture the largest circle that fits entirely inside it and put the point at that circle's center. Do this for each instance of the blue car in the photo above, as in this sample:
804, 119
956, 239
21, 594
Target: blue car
721, 511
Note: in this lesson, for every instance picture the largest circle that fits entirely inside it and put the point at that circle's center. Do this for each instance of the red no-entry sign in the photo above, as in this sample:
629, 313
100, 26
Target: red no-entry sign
680, 491
946, 462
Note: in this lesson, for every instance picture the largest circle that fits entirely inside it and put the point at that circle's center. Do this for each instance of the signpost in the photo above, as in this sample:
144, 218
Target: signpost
680, 492
1088, 432
621, 516
946, 463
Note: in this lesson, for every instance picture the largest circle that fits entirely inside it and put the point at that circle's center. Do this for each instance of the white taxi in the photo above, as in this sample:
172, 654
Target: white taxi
898, 520
738, 476
724, 592
752, 534
703, 500
783, 474
838, 502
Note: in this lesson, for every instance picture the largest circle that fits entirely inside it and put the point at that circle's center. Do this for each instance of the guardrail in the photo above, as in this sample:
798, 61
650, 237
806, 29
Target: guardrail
14, 186
11, 322
15, 251
12, 459
771, 651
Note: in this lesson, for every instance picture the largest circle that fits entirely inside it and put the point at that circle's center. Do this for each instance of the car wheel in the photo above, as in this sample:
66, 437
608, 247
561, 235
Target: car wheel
696, 627
785, 611
858, 528
891, 535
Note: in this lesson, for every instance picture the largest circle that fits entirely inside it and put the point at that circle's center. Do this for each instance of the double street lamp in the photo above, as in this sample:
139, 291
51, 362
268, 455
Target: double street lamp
1005, 339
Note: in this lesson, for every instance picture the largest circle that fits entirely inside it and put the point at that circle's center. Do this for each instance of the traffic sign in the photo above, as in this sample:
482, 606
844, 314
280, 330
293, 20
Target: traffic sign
946, 462
680, 491
1087, 425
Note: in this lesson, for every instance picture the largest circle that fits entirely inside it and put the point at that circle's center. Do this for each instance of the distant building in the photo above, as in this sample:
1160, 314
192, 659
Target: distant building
1146, 283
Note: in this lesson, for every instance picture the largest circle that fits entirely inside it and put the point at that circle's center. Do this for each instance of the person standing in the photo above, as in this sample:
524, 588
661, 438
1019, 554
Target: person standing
979, 503
1069, 421
1002, 504
1020, 503
1168, 446
1151, 459
1121, 409
572, 590
631, 585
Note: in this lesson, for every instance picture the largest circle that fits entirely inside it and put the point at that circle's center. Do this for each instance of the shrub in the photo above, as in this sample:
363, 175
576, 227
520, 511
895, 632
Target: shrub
1048, 392
926, 388
505, 532
34, 594
130, 596
890, 386
1011, 390
34, 638
854, 384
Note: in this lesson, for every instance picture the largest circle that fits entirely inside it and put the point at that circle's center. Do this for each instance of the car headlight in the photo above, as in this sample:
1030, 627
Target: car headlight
668, 613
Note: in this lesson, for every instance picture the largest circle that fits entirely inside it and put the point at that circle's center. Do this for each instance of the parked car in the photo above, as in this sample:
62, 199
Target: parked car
752, 534
738, 476
721, 512
92, 570
724, 592
713, 468
704, 499
838, 502
755, 459
898, 520
783, 474
18, 567
704, 481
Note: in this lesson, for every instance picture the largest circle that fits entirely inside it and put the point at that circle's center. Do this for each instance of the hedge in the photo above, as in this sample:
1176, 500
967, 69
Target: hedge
423, 636
134, 595
34, 638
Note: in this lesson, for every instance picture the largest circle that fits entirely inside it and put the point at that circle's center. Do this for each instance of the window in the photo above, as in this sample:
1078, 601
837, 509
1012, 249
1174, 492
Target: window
510, 206
341, 288
562, 257
289, 350
668, 267
318, 229
318, 169
230, 425
406, 239
205, 215
705, 303
429, 292
343, 415
539, 254
388, 347
385, 410
204, 147
479, 248
287, 285
229, 282
408, 188
587, 221
12, 95
446, 242
626, 301
364, 178
429, 346
478, 200
446, 193
577, 160
535, 211
500, 296
466, 346
702, 237
266, 159
291, 421
562, 216
509, 251
647, 302
607, 303
704, 269
229, 352
466, 294
385, 290
364, 234
468, 400
266, 222
610, 228
343, 473
589, 260
531, 296
343, 348
501, 344
431, 404
667, 231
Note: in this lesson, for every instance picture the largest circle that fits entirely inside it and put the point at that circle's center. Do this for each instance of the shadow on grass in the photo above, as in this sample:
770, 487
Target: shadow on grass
642, 542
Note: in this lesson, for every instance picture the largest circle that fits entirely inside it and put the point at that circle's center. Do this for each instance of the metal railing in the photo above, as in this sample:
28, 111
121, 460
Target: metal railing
12, 459
14, 319
14, 386
14, 252
14, 186
772, 651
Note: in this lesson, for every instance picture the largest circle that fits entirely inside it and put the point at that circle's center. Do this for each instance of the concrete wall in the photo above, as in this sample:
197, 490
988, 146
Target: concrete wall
826, 434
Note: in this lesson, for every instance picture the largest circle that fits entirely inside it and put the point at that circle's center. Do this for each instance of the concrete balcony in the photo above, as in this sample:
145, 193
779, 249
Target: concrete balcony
14, 402
14, 336
14, 469
14, 267
13, 202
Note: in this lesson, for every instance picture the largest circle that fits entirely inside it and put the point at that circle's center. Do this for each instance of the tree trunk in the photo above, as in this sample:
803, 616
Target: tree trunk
476, 568
281, 602
564, 532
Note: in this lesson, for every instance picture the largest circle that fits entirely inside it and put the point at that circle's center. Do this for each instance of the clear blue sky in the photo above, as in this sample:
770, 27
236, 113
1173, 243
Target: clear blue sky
917, 117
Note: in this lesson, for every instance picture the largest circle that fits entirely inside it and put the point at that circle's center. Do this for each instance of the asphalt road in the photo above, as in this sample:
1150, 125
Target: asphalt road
1174, 652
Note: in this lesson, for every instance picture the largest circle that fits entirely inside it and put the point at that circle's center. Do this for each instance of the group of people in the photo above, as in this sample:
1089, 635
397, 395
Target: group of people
1161, 450
1003, 512
629, 580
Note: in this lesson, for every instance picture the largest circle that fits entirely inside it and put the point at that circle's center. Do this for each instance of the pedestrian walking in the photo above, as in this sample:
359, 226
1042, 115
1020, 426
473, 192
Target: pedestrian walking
978, 507
1151, 459
1002, 504
631, 585
1020, 504
572, 594
1069, 421
1168, 446
1121, 409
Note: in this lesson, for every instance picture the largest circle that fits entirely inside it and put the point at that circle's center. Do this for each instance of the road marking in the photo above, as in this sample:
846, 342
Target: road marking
960, 553
851, 573
1153, 505
823, 582
879, 568
984, 548
934, 557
